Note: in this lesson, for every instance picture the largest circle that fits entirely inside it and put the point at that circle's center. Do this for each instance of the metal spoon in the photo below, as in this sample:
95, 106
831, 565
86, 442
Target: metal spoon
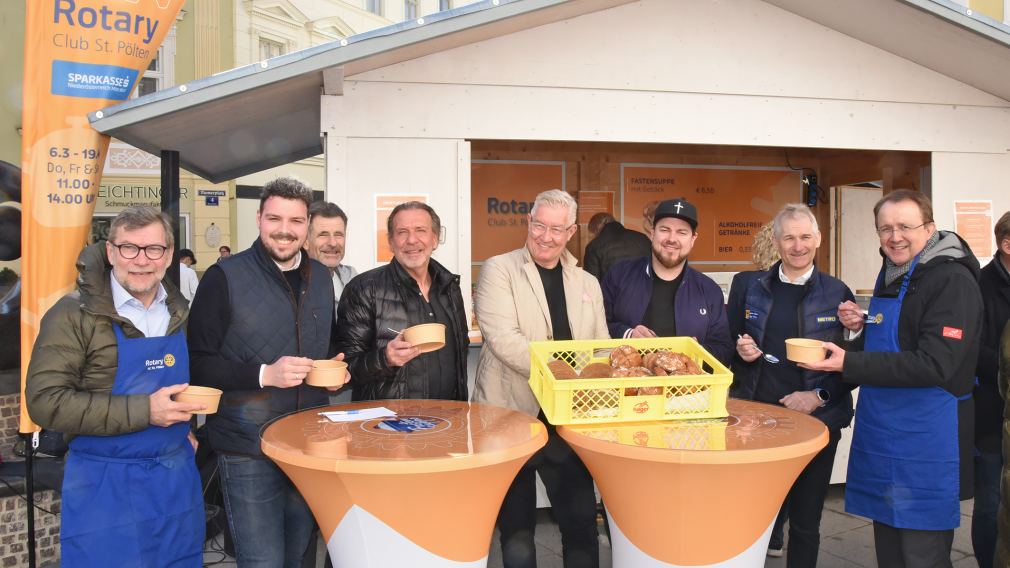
394, 331
766, 356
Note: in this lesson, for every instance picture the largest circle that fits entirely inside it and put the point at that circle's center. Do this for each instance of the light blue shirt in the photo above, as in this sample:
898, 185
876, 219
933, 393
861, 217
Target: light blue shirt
153, 321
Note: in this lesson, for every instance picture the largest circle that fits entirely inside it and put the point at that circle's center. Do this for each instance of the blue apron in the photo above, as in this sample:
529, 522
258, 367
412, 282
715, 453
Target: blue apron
134, 499
903, 463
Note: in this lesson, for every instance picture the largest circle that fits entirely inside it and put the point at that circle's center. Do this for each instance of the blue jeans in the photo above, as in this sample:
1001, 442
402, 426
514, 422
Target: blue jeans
269, 521
988, 469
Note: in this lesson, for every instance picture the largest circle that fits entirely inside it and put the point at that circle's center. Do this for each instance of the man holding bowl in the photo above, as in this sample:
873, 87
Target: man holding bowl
793, 299
911, 456
377, 306
108, 359
259, 319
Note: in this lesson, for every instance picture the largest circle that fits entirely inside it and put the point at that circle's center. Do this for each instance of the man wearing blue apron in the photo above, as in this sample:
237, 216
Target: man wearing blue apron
106, 363
911, 456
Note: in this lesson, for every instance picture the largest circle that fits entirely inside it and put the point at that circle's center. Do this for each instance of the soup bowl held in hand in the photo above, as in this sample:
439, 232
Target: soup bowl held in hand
802, 350
327, 373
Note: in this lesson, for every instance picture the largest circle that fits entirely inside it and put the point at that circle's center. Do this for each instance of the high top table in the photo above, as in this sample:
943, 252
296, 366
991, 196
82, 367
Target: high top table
425, 498
701, 492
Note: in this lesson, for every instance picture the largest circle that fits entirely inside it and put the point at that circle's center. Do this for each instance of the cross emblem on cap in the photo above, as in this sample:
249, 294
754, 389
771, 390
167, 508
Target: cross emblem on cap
679, 206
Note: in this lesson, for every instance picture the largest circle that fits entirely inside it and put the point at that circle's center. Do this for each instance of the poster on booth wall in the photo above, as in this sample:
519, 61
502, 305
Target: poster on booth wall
80, 56
593, 202
384, 205
973, 221
733, 202
502, 194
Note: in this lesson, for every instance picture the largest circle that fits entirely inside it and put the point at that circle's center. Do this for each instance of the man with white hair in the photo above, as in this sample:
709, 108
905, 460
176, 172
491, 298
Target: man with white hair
793, 299
538, 293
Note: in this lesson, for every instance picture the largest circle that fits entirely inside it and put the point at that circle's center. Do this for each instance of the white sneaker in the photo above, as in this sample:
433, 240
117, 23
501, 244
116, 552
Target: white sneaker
775, 552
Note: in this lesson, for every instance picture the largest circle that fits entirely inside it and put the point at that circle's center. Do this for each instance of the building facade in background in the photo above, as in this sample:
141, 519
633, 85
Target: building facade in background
209, 36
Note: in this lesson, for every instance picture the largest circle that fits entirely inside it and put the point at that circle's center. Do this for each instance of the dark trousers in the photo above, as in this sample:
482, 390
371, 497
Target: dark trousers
570, 489
778, 539
911, 548
988, 470
805, 503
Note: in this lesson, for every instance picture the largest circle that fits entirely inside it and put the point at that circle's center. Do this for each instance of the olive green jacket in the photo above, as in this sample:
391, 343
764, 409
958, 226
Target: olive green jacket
74, 360
1003, 518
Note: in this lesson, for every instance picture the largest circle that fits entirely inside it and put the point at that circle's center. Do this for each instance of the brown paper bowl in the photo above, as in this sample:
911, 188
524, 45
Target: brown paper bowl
207, 396
802, 350
426, 337
327, 373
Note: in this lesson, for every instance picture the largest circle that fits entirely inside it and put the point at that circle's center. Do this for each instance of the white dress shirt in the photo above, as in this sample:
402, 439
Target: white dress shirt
152, 321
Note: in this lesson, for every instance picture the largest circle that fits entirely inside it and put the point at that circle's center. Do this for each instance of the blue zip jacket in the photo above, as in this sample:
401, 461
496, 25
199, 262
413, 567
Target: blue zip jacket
750, 302
699, 307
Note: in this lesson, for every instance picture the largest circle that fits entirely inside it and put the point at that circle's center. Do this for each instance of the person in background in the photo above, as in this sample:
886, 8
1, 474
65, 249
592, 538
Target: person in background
259, 319
224, 251
660, 295
911, 456
611, 243
326, 242
648, 215
107, 361
188, 280
790, 299
538, 293
412, 289
1002, 559
994, 282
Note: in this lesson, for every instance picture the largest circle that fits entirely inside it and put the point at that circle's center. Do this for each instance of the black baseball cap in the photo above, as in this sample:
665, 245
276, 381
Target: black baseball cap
679, 208
184, 253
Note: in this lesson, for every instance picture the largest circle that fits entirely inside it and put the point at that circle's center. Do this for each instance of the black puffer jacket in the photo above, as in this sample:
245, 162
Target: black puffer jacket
939, 331
614, 244
995, 284
388, 298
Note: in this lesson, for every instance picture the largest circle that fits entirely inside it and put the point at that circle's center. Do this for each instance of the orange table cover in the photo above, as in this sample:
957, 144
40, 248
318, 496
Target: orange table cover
697, 492
439, 488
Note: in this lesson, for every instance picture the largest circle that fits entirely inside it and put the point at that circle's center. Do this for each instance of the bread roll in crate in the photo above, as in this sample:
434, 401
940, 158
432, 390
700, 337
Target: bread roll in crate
661, 378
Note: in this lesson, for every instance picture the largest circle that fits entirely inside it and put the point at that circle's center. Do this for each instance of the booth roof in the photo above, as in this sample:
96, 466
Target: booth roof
267, 114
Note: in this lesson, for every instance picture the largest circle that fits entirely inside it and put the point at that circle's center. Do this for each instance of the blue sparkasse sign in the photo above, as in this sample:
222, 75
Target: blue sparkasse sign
88, 80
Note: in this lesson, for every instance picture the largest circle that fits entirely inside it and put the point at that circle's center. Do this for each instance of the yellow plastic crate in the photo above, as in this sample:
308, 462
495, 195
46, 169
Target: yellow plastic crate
600, 401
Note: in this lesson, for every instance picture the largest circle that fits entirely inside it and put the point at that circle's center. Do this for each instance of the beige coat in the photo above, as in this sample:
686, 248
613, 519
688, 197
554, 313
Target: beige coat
512, 310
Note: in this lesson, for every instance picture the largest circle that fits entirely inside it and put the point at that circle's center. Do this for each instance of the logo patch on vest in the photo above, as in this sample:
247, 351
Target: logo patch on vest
169, 360
827, 319
750, 315
953, 333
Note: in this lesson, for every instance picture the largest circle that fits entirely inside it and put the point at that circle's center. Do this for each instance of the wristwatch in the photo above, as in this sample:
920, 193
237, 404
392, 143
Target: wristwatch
822, 394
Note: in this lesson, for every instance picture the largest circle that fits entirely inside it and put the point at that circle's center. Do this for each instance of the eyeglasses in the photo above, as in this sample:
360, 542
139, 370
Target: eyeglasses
886, 231
152, 252
539, 229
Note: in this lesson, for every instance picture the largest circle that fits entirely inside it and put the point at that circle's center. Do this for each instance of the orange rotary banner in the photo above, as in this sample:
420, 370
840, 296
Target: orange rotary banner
80, 56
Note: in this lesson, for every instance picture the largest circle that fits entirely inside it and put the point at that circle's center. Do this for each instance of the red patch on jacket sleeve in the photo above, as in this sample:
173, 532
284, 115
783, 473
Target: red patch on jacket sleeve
953, 333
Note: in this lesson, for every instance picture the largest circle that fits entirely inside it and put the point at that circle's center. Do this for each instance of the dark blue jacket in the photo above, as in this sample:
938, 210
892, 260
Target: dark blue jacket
750, 303
264, 323
699, 307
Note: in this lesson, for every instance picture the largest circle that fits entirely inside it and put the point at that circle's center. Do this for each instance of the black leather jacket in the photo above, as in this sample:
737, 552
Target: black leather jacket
388, 298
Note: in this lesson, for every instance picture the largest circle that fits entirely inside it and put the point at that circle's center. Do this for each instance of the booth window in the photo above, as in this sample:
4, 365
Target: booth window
444, 5
374, 6
409, 9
